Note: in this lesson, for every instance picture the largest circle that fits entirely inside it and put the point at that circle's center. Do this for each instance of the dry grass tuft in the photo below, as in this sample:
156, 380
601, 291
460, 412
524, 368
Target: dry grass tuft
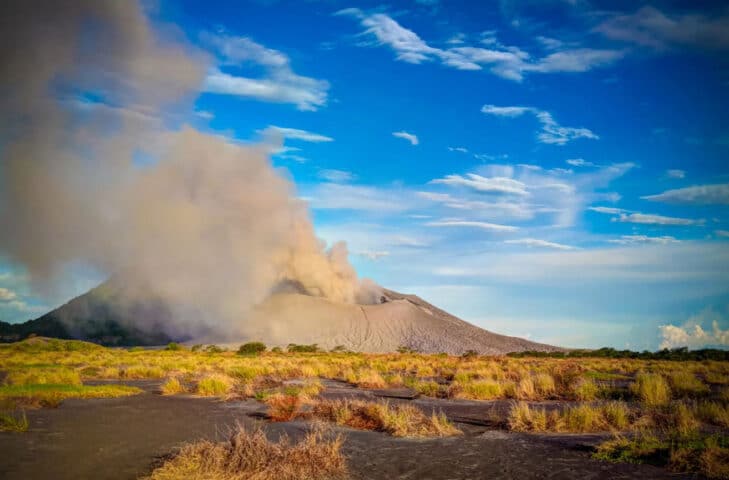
10, 422
172, 387
580, 418
251, 456
400, 420
652, 389
213, 386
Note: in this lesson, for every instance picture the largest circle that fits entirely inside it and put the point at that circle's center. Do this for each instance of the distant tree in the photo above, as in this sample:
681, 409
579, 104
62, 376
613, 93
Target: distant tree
174, 346
294, 348
214, 349
277, 350
196, 348
252, 348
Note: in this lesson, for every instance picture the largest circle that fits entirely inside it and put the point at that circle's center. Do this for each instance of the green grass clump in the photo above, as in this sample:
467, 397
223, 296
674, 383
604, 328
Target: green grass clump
480, 390
585, 390
142, 371
13, 422
578, 419
686, 384
707, 455
714, 413
43, 376
52, 395
652, 389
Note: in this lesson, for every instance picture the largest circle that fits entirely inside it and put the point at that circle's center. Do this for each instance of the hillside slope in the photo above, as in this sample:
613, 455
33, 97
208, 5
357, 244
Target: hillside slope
101, 315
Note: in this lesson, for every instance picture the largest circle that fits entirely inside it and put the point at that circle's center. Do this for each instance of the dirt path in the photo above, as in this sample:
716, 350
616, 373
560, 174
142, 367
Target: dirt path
121, 438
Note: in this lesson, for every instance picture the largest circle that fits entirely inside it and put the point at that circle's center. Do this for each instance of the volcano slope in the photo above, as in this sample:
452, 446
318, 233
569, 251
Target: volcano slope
102, 315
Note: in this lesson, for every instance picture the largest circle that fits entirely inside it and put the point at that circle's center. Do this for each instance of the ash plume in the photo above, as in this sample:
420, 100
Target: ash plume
96, 169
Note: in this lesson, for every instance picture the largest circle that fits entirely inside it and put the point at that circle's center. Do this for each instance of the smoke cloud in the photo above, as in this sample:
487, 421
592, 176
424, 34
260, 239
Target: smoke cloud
95, 168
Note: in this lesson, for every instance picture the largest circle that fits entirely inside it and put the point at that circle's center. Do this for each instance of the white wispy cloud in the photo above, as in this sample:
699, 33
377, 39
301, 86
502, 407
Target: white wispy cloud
608, 210
649, 219
492, 227
373, 255
483, 184
579, 162
721, 233
675, 173
278, 84
643, 239
410, 137
717, 194
458, 149
535, 242
336, 176
508, 62
551, 133
295, 134
649, 27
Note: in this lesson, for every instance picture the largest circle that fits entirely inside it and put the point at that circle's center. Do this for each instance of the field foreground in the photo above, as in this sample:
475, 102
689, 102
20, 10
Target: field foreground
75, 410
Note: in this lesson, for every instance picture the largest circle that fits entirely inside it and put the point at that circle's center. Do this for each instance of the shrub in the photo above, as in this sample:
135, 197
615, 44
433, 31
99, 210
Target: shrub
277, 350
214, 349
251, 455
196, 348
282, 407
252, 348
469, 354
173, 346
294, 348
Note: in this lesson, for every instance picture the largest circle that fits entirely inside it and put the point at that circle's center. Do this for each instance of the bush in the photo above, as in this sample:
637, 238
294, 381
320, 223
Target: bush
173, 346
196, 347
214, 349
252, 348
294, 348
277, 350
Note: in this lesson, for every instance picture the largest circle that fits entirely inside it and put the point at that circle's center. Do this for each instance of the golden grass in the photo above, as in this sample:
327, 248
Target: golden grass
172, 387
251, 456
579, 419
651, 389
399, 420
213, 386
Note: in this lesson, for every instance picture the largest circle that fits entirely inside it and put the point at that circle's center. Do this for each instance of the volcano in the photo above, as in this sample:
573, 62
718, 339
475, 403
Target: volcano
399, 320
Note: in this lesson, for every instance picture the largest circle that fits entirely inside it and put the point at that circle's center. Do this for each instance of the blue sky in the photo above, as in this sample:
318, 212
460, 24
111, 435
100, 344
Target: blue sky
557, 169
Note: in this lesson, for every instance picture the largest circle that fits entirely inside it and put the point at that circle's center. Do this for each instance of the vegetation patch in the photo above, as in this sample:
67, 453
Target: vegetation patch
13, 422
53, 395
251, 456
399, 420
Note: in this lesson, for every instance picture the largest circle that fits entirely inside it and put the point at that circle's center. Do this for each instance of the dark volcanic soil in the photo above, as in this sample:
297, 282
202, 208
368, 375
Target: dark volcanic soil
121, 438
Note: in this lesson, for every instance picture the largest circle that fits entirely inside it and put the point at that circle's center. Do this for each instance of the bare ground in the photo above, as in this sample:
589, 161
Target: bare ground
122, 438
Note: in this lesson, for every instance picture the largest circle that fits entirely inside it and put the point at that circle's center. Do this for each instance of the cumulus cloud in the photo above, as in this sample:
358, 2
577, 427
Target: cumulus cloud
492, 227
643, 239
649, 27
551, 133
696, 332
410, 137
278, 84
508, 62
716, 194
535, 242
650, 219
